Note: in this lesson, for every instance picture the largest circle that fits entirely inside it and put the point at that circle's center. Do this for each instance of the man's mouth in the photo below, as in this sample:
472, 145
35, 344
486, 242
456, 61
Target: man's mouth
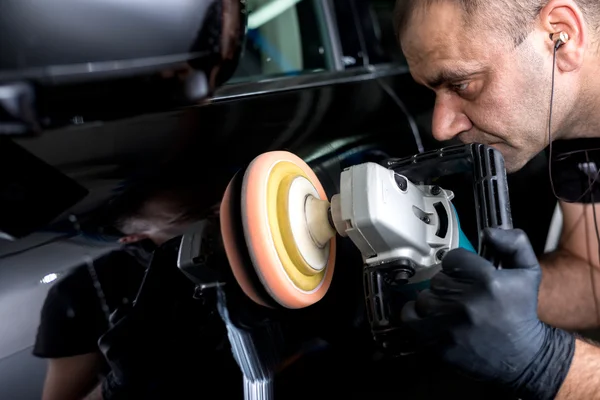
468, 140
480, 137
500, 146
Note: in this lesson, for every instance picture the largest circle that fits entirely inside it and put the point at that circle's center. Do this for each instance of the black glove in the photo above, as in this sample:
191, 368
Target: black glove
484, 320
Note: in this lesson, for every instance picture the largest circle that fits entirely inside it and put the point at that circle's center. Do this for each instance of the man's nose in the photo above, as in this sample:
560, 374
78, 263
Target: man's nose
448, 118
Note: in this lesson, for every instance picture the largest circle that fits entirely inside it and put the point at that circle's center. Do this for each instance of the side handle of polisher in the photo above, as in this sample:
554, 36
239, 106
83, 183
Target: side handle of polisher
492, 201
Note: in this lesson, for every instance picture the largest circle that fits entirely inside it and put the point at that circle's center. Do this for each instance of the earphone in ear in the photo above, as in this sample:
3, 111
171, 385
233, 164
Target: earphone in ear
559, 38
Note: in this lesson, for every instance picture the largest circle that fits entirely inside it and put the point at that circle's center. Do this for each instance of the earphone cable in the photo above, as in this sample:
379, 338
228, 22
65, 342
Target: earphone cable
592, 272
411, 121
591, 182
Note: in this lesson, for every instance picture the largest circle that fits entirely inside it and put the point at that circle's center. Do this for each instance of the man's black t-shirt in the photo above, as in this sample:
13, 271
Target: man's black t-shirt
574, 168
75, 313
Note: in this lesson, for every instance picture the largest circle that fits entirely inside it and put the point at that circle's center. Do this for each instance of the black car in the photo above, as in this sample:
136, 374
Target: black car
324, 79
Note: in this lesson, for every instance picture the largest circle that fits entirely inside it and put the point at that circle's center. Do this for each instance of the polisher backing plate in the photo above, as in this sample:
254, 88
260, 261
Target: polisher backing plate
271, 245
309, 258
232, 231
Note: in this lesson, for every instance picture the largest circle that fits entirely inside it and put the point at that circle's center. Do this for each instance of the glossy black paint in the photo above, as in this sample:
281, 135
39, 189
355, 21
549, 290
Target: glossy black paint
103, 141
24, 192
221, 137
40, 38
111, 59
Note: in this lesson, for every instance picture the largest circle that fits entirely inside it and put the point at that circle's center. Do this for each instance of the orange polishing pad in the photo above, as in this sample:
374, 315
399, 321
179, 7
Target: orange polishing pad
288, 241
235, 244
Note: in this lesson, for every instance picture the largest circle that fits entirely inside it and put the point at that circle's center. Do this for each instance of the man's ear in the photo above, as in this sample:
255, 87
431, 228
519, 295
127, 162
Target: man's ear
136, 237
565, 16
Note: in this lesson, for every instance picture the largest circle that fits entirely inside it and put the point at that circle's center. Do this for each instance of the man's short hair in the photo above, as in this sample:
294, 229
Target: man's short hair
512, 17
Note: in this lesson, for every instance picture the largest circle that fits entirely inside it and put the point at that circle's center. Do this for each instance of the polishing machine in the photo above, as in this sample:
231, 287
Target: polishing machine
278, 230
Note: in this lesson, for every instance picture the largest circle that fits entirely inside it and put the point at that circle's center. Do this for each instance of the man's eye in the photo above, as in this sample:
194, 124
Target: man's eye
460, 87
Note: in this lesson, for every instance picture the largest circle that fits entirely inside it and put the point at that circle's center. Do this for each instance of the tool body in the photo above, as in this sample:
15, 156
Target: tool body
278, 231
393, 221
402, 230
403, 225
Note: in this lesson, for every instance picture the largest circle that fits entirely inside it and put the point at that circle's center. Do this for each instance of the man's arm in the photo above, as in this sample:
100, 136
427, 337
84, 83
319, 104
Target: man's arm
569, 294
570, 290
583, 380
71, 378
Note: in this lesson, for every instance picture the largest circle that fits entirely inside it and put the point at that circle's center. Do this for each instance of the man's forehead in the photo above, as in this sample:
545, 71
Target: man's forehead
438, 43
445, 63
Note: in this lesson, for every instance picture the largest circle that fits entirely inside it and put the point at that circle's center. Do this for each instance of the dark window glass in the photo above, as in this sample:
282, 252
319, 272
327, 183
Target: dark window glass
382, 15
285, 37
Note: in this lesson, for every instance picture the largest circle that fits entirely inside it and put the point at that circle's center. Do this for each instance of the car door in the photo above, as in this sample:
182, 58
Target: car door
316, 77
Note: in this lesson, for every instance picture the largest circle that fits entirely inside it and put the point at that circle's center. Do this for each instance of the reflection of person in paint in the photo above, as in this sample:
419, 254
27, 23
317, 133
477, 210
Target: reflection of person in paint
165, 214
147, 214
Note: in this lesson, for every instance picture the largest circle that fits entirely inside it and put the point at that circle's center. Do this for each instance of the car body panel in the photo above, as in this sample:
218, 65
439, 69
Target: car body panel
339, 106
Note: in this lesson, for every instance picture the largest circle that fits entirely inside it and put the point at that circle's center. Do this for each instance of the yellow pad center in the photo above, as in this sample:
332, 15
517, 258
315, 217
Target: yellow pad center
299, 271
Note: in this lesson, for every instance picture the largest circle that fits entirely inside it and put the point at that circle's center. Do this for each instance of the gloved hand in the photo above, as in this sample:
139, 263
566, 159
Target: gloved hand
484, 320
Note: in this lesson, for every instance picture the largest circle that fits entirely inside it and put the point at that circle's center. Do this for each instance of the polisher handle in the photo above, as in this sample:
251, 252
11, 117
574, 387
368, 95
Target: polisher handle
490, 185
491, 194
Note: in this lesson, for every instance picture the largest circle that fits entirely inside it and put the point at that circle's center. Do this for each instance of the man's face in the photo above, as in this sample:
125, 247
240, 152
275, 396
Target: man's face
487, 90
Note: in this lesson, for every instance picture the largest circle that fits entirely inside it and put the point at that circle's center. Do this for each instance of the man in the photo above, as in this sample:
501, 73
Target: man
490, 63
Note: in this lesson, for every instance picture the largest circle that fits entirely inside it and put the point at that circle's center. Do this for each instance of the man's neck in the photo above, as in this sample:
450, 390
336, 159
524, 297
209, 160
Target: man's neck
584, 119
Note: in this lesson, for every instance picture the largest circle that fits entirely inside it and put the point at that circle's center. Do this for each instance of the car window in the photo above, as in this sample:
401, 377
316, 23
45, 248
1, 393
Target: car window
383, 20
285, 37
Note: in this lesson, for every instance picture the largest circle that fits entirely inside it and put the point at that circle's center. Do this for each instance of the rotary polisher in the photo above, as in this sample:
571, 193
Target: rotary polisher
394, 217
279, 233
